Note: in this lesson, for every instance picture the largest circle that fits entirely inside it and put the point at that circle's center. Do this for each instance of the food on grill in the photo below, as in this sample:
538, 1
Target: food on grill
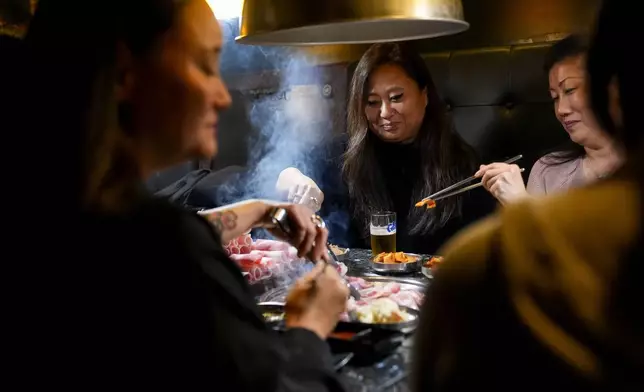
262, 259
381, 311
433, 262
394, 258
429, 203
374, 292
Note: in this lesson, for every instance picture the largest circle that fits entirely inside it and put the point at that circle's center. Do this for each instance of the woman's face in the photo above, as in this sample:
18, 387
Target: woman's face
176, 92
567, 80
395, 106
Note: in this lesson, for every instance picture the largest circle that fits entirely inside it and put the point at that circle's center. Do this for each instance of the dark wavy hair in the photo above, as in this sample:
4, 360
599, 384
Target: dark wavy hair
71, 50
572, 45
446, 158
611, 60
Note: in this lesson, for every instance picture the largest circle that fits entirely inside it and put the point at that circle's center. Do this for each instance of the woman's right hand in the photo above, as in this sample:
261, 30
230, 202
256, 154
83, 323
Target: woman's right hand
309, 239
503, 181
317, 301
299, 189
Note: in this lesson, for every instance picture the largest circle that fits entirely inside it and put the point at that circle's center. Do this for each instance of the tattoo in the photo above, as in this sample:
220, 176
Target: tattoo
223, 221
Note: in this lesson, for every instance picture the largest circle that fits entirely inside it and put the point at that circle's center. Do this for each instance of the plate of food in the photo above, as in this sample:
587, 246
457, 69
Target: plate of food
430, 266
397, 262
387, 303
341, 253
379, 313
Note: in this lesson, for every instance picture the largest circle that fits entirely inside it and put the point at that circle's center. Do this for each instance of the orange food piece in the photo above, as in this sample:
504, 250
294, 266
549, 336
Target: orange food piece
394, 258
429, 203
434, 262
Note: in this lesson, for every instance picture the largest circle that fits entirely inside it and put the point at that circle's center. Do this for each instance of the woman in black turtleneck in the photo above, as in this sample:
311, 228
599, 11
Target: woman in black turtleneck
402, 148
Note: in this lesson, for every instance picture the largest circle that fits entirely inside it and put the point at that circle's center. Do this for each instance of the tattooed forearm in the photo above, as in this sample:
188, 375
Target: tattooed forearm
223, 220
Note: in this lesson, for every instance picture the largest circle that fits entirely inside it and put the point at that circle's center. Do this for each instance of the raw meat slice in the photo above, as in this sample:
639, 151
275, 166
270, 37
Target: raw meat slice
246, 262
270, 245
273, 254
245, 240
253, 258
359, 283
292, 253
404, 298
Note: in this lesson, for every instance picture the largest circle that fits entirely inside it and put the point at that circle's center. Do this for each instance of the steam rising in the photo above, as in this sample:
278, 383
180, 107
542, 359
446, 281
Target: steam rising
292, 121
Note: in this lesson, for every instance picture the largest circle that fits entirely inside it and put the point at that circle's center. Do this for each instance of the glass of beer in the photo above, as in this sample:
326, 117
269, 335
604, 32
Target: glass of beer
383, 232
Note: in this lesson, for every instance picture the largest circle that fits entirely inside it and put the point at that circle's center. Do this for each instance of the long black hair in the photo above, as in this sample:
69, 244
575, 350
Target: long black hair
72, 74
611, 62
445, 157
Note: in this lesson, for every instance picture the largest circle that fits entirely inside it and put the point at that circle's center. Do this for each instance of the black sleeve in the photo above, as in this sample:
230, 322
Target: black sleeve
221, 187
239, 348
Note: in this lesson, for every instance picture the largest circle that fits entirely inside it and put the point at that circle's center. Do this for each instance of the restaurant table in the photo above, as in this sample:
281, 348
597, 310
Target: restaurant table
389, 374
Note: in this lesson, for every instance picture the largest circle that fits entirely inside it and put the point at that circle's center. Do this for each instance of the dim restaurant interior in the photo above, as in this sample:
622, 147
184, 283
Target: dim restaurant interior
396, 125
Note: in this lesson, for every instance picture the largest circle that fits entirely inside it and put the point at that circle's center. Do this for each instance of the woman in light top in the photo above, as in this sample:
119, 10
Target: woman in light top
592, 155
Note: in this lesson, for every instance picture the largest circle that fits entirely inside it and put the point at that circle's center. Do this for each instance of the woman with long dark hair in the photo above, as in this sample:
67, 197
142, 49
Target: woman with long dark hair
402, 147
590, 155
547, 294
145, 294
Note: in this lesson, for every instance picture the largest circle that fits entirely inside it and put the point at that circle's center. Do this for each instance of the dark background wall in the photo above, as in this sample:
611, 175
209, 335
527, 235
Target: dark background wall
482, 73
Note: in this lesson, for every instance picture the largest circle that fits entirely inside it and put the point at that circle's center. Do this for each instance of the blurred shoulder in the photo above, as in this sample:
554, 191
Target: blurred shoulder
552, 163
467, 253
184, 228
587, 226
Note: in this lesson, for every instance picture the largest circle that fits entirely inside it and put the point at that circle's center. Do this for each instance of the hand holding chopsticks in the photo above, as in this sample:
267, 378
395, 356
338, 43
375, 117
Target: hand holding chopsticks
452, 190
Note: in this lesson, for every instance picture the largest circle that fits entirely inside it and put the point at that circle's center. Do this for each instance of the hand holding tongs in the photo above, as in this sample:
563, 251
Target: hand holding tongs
279, 218
442, 194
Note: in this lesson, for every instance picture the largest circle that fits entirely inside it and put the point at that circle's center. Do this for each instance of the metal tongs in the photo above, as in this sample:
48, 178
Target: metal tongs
279, 218
442, 194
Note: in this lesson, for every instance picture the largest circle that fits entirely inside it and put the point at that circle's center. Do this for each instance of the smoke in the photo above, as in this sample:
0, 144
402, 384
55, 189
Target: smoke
292, 120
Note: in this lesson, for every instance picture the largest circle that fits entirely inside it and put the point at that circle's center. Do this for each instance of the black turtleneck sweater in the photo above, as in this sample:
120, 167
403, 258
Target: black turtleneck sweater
400, 168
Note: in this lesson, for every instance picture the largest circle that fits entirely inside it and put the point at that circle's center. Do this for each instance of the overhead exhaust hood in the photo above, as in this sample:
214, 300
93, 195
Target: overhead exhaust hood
321, 22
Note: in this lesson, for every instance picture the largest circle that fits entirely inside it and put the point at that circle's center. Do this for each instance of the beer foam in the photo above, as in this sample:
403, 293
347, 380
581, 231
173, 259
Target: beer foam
382, 230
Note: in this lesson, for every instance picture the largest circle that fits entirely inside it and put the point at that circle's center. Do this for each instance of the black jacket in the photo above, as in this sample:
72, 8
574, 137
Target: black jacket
163, 307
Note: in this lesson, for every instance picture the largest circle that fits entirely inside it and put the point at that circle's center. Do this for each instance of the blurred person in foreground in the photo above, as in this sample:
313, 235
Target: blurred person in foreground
548, 293
152, 301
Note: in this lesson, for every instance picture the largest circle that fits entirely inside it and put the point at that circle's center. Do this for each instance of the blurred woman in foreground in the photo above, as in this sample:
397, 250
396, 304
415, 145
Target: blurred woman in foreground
159, 304
548, 294
592, 154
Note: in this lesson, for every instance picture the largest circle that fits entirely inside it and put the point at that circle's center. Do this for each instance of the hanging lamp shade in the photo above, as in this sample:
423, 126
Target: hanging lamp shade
319, 22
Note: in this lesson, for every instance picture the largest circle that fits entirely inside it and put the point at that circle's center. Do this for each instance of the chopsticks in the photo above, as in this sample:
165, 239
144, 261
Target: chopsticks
335, 262
279, 217
444, 193
467, 188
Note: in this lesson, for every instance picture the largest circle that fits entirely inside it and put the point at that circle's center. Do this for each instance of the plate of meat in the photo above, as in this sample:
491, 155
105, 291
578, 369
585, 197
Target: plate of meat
386, 302
264, 259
